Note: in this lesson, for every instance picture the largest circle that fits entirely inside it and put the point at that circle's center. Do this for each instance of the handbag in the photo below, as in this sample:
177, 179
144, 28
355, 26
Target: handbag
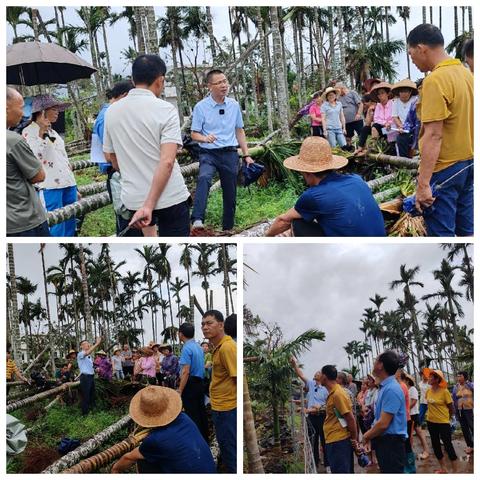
251, 173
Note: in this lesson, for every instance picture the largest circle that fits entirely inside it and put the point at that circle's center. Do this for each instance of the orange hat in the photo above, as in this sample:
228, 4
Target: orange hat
429, 371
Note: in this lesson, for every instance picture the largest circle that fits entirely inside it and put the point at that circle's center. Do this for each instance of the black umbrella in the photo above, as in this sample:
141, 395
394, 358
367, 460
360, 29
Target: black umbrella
36, 63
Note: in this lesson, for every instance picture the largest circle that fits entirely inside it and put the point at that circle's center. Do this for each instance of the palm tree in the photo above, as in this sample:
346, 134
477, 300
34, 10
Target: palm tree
14, 19
14, 323
205, 268
265, 70
211, 37
186, 263
404, 14
177, 286
455, 249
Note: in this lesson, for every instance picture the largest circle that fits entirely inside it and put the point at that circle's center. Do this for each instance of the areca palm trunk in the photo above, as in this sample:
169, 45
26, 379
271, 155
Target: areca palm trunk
250, 434
265, 70
83, 270
331, 42
321, 64
178, 87
152, 30
341, 46
47, 304
14, 325
406, 50
455, 21
210, 35
107, 54
280, 75
226, 281
140, 37
440, 18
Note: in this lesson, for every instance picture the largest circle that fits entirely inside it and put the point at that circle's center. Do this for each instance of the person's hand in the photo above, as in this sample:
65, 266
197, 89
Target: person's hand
423, 197
388, 126
249, 160
79, 195
293, 361
44, 124
344, 131
210, 138
142, 218
358, 117
98, 341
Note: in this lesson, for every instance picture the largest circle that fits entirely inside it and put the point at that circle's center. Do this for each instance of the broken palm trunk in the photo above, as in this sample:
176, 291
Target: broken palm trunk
75, 456
40, 396
402, 162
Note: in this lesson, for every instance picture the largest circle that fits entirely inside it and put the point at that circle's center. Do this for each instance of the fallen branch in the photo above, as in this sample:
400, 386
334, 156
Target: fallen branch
90, 189
387, 194
402, 162
40, 396
88, 447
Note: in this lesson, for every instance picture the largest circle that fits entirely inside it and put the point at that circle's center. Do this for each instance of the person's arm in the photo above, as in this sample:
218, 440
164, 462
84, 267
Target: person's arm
283, 222
358, 115
379, 428
127, 460
431, 144
198, 137
94, 346
398, 123
19, 374
351, 425
112, 158
39, 177
242, 141
342, 120
451, 410
143, 216
413, 402
299, 372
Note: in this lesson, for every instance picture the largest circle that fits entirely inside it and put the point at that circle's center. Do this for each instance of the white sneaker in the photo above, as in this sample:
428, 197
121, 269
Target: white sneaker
328, 470
197, 224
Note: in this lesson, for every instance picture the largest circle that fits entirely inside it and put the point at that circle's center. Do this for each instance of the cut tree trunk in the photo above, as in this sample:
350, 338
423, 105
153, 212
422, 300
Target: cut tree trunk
253, 453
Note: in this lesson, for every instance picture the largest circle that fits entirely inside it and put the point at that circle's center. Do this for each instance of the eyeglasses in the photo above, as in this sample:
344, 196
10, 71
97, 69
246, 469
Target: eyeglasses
220, 82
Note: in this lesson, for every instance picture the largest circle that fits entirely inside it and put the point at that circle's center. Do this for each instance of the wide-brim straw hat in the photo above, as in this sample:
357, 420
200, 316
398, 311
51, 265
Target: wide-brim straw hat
147, 351
377, 87
44, 102
429, 371
409, 377
315, 156
164, 346
405, 83
155, 406
117, 350
101, 352
71, 352
328, 90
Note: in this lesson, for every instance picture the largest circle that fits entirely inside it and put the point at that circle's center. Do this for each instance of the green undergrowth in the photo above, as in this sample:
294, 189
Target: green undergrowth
254, 204
99, 223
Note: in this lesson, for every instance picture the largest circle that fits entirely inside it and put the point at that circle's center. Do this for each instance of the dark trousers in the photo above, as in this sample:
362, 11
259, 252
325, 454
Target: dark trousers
172, 221
194, 404
352, 127
378, 127
226, 433
465, 418
301, 228
364, 133
40, 231
390, 451
408, 443
340, 456
441, 433
226, 163
404, 143
317, 131
87, 389
315, 433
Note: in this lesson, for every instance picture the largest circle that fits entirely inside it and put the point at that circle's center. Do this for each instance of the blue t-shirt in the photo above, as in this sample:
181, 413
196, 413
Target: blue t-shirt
316, 395
192, 354
343, 206
391, 400
332, 114
97, 129
208, 118
85, 363
177, 448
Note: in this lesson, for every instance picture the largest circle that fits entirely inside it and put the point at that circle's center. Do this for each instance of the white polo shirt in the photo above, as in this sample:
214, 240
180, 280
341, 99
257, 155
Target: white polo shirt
135, 127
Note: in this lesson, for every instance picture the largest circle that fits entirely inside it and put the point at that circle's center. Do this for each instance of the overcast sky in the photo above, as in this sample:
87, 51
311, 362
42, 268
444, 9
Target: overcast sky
324, 286
118, 38
28, 264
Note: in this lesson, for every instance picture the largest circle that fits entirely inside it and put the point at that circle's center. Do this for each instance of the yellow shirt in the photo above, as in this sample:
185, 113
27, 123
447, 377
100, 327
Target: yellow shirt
337, 400
447, 94
223, 388
438, 402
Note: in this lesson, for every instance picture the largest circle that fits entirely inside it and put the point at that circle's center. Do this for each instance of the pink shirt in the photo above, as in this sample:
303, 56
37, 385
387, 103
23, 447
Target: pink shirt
315, 110
147, 366
383, 114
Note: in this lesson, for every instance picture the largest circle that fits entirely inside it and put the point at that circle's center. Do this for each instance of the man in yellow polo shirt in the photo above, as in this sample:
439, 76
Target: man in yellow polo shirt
223, 387
340, 427
445, 108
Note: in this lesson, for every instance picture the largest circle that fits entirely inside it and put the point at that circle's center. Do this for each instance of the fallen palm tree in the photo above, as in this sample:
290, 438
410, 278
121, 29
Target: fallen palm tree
402, 162
82, 164
92, 464
90, 189
75, 456
40, 396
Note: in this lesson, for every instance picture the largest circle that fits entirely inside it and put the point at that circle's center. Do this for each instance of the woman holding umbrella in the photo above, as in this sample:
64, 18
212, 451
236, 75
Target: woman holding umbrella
60, 186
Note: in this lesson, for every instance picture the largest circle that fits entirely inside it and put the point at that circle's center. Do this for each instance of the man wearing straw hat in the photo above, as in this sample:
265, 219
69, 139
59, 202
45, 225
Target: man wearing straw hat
445, 109
174, 443
334, 204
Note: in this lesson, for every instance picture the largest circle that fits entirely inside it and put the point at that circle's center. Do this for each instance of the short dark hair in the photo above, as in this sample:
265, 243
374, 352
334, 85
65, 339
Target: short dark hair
84, 340
367, 98
211, 73
390, 361
230, 325
425, 34
342, 376
330, 372
205, 343
467, 49
215, 314
147, 68
187, 329
465, 374
323, 174
119, 89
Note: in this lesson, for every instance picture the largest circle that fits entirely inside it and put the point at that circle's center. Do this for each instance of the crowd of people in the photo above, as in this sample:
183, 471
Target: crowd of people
180, 394
376, 420
148, 190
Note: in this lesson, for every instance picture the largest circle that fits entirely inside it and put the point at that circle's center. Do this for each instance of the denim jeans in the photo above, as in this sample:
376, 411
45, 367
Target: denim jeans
422, 410
118, 374
226, 164
40, 231
226, 431
452, 212
340, 456
336, 136
58, 198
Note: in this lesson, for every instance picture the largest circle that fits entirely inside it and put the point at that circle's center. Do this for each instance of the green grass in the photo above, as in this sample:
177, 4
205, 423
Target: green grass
254, 204
99, 223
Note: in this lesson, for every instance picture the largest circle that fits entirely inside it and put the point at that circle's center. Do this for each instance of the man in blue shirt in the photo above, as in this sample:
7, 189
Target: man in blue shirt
334, 205
87, 374
316, 399
217, 126
192, 370
389, 430
174, 445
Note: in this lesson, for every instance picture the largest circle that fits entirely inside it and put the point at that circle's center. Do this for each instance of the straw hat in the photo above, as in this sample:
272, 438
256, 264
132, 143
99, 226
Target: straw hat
70, 352
377, 87
117, 350
147, 351
405, 83
101, 352
370, 375
429, 371
44, 102
315, 156
164, 346
410, 377
155, 406
328, 90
